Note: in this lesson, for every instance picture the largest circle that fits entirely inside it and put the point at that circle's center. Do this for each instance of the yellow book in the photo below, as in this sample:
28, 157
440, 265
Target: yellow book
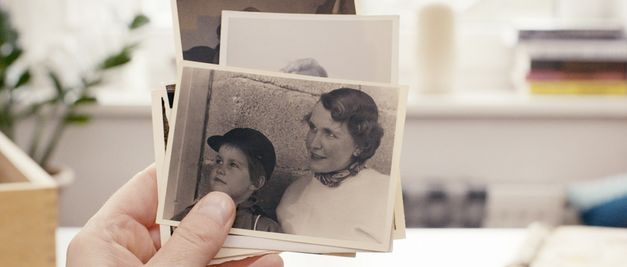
579, 87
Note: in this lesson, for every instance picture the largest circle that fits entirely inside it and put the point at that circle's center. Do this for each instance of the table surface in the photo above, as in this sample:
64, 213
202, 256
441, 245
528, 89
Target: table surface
422, 247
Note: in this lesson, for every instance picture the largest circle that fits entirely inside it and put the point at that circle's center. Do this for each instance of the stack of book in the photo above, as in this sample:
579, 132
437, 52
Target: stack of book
575, 60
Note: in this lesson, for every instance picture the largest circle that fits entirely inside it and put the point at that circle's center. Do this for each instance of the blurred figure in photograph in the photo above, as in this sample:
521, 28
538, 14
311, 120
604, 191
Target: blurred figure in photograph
243, 165
203, 53
305, 66
206, 54
336, 7
342, 198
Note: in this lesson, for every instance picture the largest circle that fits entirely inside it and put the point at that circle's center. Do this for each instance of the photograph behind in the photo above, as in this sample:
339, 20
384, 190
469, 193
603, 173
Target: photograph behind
361, 48
199, 23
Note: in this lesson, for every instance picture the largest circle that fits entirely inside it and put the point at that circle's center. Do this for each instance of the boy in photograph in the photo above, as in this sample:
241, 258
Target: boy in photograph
243, 165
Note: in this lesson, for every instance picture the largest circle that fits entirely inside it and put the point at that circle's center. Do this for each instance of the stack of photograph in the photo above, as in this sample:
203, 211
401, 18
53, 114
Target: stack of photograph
293, 109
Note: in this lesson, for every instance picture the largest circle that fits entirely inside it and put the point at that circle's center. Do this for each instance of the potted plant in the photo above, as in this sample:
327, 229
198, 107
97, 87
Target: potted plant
62, 109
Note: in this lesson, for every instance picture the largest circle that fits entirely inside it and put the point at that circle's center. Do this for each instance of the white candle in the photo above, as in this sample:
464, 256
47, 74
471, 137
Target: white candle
436, 48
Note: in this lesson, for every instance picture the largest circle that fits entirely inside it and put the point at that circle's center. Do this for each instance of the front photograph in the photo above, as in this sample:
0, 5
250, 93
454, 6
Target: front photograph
305, 159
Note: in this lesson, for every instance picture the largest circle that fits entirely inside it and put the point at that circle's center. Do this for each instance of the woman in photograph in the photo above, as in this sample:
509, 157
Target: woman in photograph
305, 66
342, 198
244, 163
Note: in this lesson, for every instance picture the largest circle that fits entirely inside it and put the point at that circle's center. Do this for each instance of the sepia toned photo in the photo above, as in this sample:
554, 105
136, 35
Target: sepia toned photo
264, 139
198, 23
162, 105
362, 48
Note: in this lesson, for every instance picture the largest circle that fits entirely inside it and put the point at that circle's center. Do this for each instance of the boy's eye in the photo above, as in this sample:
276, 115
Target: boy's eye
219, 161
234, 165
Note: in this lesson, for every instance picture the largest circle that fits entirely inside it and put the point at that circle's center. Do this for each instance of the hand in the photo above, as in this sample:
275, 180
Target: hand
124, 233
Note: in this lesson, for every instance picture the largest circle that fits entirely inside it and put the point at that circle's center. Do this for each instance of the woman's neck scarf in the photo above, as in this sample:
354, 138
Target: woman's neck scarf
335, 178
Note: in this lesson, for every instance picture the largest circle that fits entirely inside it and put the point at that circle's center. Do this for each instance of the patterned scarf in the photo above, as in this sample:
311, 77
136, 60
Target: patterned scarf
334, 179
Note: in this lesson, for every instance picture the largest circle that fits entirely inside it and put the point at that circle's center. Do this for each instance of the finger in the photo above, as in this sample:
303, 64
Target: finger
269, 260
155, 235
127, 217
201, 233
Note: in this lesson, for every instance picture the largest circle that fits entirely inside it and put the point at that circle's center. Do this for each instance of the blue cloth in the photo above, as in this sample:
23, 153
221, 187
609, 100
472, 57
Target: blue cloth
588, 194
612, 213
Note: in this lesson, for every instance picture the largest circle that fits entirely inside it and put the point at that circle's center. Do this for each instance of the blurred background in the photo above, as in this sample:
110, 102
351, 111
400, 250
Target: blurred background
517, 110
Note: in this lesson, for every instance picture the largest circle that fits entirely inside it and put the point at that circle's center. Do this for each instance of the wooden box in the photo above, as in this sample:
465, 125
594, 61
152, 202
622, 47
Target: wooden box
28, 209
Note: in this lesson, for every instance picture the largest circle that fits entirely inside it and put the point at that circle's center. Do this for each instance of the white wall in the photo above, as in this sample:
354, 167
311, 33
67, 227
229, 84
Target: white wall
453, 147
516, 150
104, 155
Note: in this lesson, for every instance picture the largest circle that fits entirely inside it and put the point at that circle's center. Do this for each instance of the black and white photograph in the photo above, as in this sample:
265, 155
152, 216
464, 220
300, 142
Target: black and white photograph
162, 101
162, 108
198, 24
362, 48
276, 143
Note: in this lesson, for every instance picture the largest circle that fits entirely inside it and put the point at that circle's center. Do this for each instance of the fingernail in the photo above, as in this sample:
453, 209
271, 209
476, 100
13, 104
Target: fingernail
217, 206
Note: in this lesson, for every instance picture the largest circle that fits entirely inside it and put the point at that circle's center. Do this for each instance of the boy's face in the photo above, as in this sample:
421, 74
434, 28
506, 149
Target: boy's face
230, 174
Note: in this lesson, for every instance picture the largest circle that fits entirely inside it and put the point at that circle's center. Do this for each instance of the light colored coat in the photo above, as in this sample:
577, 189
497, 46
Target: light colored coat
355, 210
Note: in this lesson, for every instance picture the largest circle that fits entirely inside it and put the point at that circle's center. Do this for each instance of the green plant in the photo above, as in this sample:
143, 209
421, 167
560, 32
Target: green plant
54, 114
10, 52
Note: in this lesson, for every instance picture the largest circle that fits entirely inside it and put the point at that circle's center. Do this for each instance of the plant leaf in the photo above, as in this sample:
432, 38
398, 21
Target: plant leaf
85, 100
12, 57
57, 84
139, 21
118, 59
78, 119
8, 34
90, 83
24, 79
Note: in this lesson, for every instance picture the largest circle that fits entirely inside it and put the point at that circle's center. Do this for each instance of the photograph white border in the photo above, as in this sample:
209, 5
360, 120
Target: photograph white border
399, 212
394, 174
178, 45
234, 246
318, 41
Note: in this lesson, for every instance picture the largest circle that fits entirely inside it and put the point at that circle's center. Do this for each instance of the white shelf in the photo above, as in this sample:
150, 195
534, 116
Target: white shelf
508, 105
456, 105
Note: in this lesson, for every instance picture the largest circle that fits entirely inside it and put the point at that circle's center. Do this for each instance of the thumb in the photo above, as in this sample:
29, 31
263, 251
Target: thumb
200, 234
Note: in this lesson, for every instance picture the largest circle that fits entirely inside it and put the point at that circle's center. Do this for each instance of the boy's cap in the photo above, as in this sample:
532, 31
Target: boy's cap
252, 142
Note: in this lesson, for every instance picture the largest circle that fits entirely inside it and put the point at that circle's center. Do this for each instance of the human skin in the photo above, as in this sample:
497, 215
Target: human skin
230, 174
329, 143
124, 233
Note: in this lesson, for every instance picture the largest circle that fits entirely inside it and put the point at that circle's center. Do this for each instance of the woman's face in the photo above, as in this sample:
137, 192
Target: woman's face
230, 174
329, 143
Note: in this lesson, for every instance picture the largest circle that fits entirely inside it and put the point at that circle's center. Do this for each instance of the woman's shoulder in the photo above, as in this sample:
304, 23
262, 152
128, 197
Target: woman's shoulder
299, 183
374, 174
369, 181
